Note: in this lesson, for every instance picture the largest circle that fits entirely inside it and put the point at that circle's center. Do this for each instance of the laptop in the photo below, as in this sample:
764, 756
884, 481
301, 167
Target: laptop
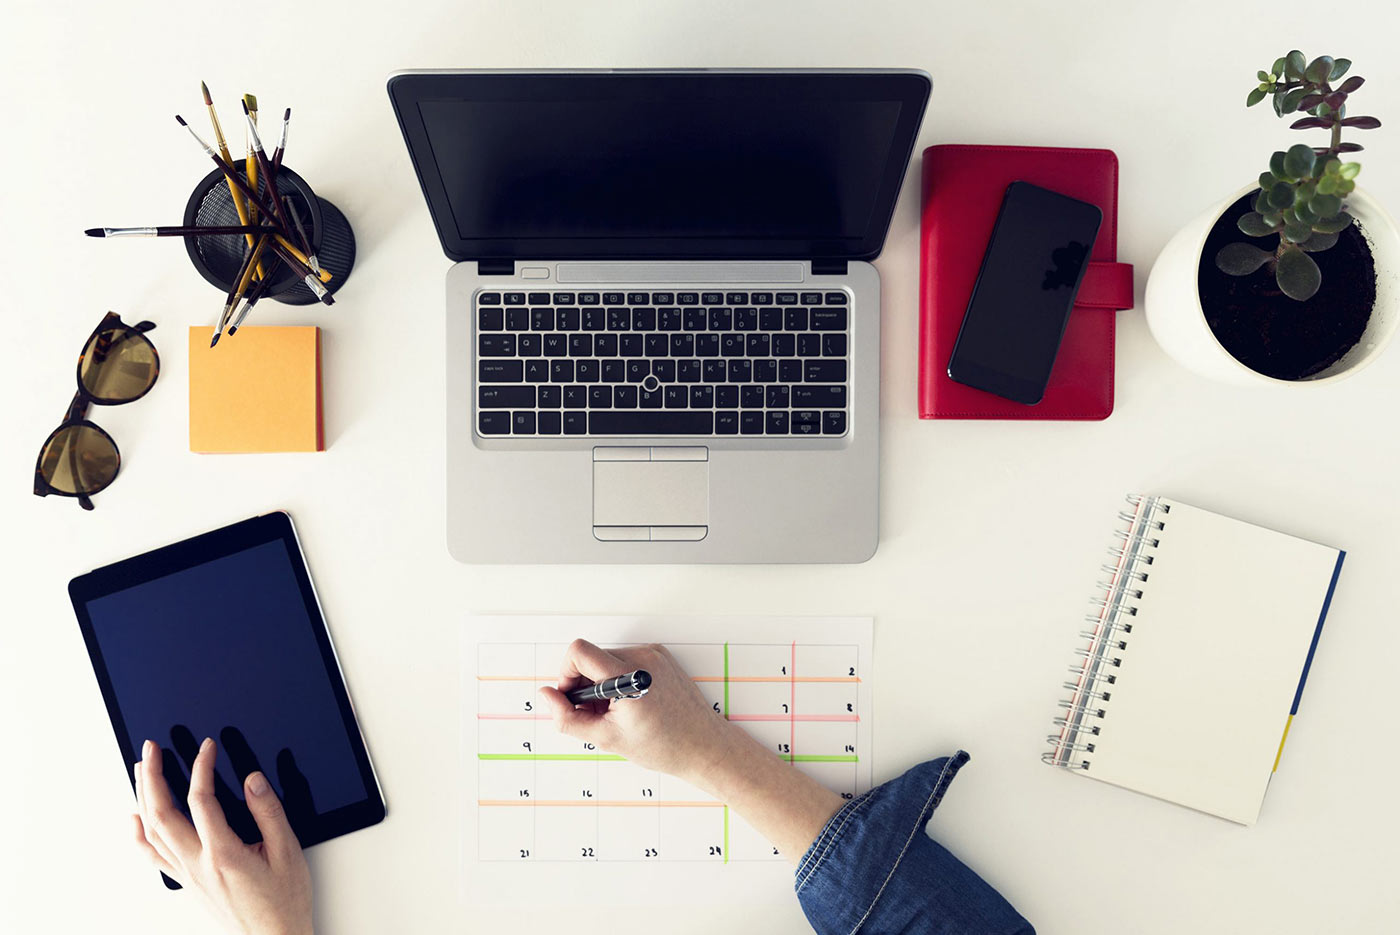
663, 328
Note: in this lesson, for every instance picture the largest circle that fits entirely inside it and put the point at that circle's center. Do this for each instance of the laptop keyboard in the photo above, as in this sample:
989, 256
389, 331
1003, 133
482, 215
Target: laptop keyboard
662, 363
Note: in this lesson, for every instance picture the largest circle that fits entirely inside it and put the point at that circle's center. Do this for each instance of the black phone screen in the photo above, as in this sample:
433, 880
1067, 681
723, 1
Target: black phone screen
1024, 292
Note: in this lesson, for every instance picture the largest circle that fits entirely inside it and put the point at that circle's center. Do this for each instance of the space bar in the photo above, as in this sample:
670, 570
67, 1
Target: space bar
661, 422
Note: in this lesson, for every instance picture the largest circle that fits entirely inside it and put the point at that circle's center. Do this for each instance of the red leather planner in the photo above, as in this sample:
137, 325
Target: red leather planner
962, 192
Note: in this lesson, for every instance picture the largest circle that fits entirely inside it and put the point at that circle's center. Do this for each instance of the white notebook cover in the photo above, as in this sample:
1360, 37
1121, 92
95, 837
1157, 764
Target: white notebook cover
1208, 675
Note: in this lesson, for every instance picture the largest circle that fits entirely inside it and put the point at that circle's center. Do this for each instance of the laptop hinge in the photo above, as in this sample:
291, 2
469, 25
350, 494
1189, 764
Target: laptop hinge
495, 267
829, 267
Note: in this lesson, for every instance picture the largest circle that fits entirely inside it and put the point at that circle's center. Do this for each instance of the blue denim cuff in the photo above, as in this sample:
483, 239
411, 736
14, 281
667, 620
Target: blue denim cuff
873, 868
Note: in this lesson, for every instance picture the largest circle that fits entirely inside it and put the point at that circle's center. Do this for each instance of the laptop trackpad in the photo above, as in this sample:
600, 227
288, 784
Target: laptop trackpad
656, 494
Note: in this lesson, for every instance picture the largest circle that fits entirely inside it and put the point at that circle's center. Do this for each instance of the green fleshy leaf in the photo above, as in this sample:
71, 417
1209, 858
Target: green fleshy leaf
1276, 166
1319, 242
1297, 275
1349, 170
1332, 166
1346, 187
1303, 212
1307, 190
1292, 98
1325, 206
1278, 103
1279, 64
1319, 68
1296, 231
1295, 64
1241, 259
1272, 218
1334, 225
1281, 196
1327, 185
1267, 180
1339, 68
1253, 225
1298, 162
1265, 77
1255, 96
1322, 110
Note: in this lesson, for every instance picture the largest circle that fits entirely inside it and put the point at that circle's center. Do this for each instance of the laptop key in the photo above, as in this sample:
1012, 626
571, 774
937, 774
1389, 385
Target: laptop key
588, 298
806, 422
790, 371
829, 319
833, 422
713, 371
614, 298
550, 423
541, 319
770, 319
726, 397
688, 298
676, 396
811, 298
682, 345
741, 371
795, 319
522, 423
833, 345
539, 298
500, 371
765, 371
643, 319
580, 345
663, 298
489, 298
737, 298
664, 370
707, 345
563, 298
614, 371
630, 345
517, 318
694, 319
575, 397
605, 345
721, 319
575, 423
587, 371
726, 423
515, 298
657, 345
569, 319
751, 423
777, 397
649, 399
757, 345
784, 345
537, 370
619, 319
824, 371
637, 370
702, 397
688, 371
746, 319
600, 397
751, 397
638, 298
712, 298
594, 319
668, 319
561, 371
836, 298
495, 345
551, 396
761, 298
777, 423
625, 397
785, 298
529, 344
655, 422
555, 345
809, 345
731, 345
490, 319
493, 423
819, 397
505, 397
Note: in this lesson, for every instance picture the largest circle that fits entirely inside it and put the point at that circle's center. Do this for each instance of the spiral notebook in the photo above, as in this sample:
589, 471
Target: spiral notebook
1153, 707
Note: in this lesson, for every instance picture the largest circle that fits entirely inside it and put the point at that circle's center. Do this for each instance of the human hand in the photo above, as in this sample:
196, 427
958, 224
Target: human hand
672, 728
259, 889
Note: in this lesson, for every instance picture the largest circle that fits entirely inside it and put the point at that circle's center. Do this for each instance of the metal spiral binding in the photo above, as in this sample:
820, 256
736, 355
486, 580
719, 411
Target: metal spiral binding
1095, 677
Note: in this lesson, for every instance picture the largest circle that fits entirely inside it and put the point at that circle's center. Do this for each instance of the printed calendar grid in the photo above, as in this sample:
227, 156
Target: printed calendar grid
685, 819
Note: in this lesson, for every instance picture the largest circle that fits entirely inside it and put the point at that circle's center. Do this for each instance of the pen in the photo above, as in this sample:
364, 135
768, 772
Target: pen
631, 685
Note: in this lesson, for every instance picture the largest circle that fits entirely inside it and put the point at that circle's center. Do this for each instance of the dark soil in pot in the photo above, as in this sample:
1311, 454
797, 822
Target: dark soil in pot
1266, 330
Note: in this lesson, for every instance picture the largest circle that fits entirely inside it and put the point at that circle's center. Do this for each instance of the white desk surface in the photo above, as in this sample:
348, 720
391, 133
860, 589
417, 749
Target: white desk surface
992, 533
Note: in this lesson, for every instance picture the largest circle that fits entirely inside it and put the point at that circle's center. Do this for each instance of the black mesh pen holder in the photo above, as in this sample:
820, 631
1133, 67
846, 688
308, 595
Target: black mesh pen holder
218, 258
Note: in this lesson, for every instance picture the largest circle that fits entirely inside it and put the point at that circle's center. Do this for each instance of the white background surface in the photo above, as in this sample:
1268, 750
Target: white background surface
992, 533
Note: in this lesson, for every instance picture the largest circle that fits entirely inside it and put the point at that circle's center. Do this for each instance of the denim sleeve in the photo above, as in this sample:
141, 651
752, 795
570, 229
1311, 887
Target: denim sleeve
874, 870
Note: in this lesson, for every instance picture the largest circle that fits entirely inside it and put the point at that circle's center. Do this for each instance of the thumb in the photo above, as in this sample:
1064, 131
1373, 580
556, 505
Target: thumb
267, 811
583, 723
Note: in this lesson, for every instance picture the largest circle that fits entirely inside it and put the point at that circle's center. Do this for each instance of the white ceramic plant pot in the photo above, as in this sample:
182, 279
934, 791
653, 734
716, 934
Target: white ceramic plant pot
1175, 317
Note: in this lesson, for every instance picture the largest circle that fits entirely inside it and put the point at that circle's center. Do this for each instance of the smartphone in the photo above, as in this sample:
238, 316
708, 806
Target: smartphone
1024, 292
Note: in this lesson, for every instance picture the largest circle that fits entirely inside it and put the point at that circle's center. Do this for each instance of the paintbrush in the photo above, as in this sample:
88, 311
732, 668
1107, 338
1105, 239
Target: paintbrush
295, 215
235, 294
250, 165
254, 199
222, 143
281, 143
248, 303
313, 282
177, 231
264, 166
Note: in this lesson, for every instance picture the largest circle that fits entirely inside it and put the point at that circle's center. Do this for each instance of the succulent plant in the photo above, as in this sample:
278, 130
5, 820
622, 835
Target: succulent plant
1302, 197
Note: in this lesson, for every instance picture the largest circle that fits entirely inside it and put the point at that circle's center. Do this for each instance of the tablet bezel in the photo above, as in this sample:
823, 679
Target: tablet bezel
200, 550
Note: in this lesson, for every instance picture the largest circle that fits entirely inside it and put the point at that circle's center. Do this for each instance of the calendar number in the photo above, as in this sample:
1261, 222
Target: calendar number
586, 852
650, 852
524, 852
784, 748
716, 851
529, 706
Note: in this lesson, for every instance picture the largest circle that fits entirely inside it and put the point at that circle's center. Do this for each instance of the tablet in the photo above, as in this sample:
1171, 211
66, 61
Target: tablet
222, 636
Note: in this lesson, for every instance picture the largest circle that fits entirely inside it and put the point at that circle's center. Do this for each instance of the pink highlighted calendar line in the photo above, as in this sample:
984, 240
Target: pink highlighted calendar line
783, 679
829, 718
619, 803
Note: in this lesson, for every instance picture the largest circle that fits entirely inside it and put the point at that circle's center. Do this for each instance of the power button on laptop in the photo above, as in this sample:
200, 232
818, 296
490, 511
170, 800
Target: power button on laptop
534, 272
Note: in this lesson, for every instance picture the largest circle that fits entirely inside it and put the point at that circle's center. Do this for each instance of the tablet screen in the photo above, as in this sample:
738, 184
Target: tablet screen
231, 647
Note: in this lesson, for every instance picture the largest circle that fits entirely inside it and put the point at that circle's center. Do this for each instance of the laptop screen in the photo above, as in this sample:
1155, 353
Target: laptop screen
654, 164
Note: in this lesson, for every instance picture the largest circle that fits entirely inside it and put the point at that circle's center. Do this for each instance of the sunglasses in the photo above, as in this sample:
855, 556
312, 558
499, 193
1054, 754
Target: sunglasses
118, 365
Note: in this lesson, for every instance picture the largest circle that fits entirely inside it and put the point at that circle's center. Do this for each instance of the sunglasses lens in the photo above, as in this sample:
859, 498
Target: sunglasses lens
118, 365
79, 459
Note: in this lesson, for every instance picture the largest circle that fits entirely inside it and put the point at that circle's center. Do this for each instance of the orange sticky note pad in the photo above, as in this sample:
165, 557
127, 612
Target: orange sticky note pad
259, 390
